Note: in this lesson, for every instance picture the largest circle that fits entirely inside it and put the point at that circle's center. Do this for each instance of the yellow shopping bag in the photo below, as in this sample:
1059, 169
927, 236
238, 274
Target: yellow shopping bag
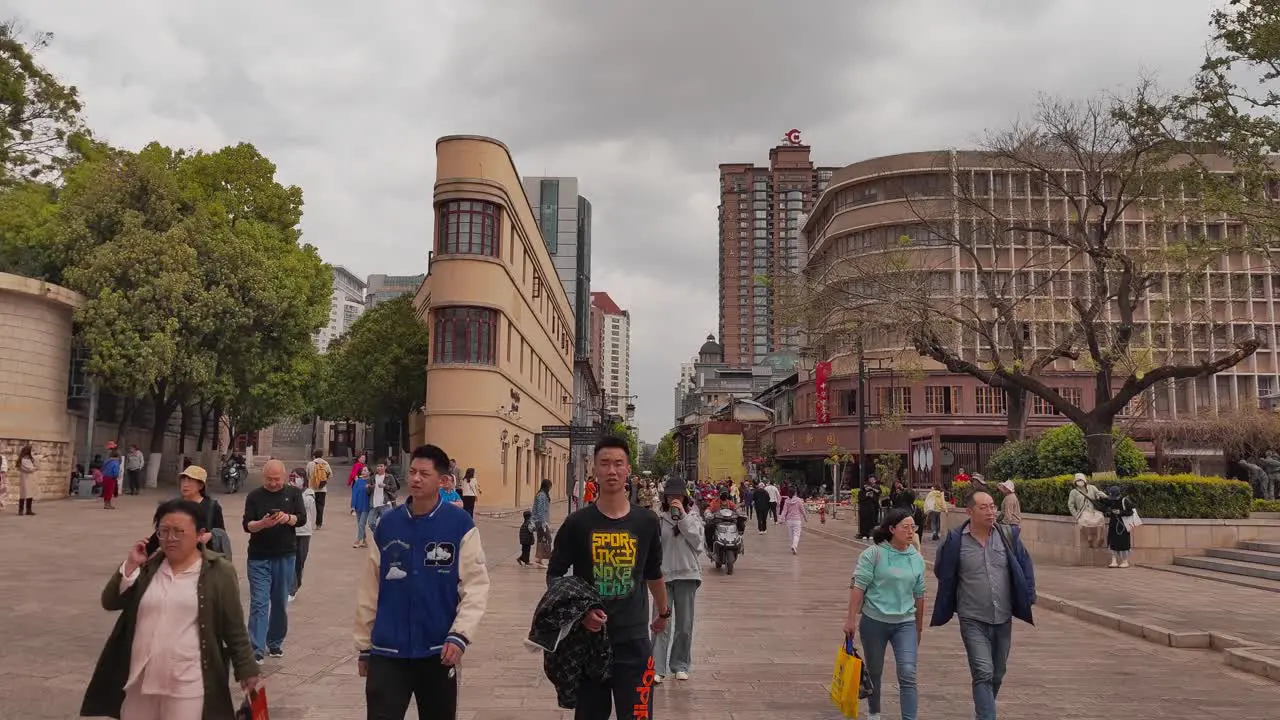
846, 679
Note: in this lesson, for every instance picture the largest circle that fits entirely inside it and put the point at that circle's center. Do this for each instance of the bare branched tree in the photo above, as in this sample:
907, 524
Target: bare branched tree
1077, 241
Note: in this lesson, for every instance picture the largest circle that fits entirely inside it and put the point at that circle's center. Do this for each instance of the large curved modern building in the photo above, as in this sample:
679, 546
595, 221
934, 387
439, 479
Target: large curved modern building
870, 206
502, 328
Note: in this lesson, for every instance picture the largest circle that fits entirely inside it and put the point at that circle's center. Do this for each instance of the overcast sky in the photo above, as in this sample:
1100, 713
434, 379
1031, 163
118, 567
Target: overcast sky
639, 99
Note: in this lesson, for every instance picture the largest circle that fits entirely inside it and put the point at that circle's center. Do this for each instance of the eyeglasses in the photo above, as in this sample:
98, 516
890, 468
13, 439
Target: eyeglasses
167, 533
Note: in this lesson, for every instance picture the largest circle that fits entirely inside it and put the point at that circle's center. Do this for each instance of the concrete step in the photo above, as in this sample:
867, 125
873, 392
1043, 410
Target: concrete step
1259, 546
1244, 555
1231, 567
1214, 575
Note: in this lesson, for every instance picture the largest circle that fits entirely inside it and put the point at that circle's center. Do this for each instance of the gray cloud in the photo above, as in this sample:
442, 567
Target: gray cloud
640, 100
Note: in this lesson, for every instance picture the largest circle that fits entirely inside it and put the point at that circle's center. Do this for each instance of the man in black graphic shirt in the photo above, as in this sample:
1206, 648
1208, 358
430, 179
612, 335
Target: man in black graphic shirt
615, 545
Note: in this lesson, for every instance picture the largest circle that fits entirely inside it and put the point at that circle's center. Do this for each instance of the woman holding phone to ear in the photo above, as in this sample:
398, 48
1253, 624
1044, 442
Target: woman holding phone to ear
682, 547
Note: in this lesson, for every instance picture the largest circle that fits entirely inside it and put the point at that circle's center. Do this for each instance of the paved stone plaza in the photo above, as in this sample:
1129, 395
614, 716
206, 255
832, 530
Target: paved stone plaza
765, 639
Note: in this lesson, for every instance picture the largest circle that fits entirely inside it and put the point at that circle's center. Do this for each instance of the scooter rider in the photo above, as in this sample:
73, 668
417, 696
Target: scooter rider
724, 501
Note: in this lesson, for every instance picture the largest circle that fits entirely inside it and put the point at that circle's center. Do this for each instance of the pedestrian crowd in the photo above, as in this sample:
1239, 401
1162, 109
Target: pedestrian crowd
622, 572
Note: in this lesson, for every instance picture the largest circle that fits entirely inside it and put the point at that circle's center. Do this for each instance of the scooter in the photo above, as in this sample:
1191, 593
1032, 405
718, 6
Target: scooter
728, 540
233, 475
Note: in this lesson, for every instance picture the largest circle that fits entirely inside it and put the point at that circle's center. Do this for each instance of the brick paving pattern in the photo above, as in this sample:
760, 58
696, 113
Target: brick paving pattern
764, 645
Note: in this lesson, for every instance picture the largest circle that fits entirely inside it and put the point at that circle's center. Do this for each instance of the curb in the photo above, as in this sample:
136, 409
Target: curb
1237, 652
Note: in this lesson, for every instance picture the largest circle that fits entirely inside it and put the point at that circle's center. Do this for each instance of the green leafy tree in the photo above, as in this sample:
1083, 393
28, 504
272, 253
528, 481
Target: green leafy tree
1014, 460
619, 428
41, 127
28, 214
664, 458
197, 288
377, 370
1063, 451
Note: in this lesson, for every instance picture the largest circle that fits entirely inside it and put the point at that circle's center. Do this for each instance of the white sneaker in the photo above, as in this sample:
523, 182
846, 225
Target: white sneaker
291, 597
682, 675
1124, 564
657, 679
874, 716
1114, 564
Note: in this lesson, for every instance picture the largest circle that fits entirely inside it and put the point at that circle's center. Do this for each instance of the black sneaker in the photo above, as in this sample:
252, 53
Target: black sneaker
259, 658
276, 653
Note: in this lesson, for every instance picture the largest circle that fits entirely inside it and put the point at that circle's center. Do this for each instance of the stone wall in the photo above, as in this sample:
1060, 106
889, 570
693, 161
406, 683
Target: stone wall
53, 463
35, 359
1057, 539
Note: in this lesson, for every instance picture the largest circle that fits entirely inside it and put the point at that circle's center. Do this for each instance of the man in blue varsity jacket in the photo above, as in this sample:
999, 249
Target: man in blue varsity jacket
420, 598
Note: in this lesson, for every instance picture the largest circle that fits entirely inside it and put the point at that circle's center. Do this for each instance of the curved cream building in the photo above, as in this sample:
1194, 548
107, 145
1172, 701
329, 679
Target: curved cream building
35, 352
501, 326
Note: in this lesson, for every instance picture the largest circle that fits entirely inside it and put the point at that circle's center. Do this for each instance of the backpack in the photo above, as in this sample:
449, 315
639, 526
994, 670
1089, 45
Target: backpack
320, 479
219, 541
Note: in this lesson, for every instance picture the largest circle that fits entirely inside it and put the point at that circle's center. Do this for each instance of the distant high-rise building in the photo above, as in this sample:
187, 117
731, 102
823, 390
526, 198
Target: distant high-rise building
345, 305
684, 385
615, 353
761, 212
564, 218
381, 288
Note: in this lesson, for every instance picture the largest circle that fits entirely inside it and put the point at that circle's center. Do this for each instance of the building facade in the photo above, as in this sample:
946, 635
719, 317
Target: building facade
615, 353
761, 213
381, 288
346, 304
502, 328
564, 219
684, 386
871, 206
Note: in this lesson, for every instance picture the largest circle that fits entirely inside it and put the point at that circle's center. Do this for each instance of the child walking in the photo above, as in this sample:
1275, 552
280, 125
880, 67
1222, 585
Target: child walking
526, 538
360, 506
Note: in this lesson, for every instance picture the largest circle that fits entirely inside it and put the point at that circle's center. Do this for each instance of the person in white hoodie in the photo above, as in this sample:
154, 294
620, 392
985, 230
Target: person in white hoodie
303, 533
682, 548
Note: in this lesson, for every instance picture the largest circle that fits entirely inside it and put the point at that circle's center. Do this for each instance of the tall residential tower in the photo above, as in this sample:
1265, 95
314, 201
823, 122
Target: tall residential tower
761, 212
615, 353
564, 218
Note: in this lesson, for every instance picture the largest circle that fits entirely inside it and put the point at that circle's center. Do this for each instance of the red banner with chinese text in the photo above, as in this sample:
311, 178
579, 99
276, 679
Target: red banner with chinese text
822, 407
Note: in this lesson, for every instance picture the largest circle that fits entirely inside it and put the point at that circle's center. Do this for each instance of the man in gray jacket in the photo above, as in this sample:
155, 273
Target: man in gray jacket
682, 548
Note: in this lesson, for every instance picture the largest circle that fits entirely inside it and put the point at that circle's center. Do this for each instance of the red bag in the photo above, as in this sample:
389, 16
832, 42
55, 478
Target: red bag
254, 706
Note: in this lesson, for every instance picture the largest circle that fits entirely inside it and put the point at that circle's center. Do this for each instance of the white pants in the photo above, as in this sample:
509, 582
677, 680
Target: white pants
793, 527
160, 707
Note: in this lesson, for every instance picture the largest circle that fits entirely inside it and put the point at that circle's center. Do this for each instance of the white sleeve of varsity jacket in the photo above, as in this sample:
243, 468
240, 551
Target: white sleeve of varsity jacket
473, 589
367, 585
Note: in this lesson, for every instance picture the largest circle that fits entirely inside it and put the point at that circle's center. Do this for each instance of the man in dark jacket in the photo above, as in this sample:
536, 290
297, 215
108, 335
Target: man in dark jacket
571, 653
986, 577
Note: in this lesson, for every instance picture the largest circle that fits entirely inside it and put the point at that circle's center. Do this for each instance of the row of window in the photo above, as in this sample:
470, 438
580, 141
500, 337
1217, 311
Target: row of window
474, 227
469, 336
938, 400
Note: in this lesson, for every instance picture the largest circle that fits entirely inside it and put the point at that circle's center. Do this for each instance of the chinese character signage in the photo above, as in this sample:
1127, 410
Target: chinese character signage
822, 410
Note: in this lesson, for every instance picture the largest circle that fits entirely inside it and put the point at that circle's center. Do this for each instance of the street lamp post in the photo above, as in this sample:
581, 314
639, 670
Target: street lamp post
862, 416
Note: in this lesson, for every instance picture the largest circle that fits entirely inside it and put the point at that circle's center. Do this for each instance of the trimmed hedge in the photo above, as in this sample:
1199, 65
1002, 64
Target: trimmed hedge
1270, 506
1156, 496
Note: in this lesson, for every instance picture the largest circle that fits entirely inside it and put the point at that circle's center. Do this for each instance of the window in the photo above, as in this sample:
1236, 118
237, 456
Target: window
1073, 395
465, 335
895, 400
990, 401
468, 227
942, 400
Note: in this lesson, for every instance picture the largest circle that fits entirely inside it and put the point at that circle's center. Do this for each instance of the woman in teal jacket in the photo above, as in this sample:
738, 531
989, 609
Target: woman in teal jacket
886, 605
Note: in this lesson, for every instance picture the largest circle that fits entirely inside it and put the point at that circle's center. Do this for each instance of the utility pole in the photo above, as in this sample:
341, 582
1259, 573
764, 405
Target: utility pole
862, 416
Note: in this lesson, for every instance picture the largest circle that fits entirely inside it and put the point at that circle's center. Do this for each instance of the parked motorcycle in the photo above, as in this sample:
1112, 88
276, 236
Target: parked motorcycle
727, 545
234, 473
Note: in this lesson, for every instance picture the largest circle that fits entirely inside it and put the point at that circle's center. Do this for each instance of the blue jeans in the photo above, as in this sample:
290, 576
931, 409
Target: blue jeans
876, 636
270, 580
676, 639
987, 646
362, 521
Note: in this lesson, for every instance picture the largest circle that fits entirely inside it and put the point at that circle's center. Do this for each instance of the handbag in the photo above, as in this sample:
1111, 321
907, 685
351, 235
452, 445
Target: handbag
219, 540
543, 549
850, 681
1132, 521
254, 706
